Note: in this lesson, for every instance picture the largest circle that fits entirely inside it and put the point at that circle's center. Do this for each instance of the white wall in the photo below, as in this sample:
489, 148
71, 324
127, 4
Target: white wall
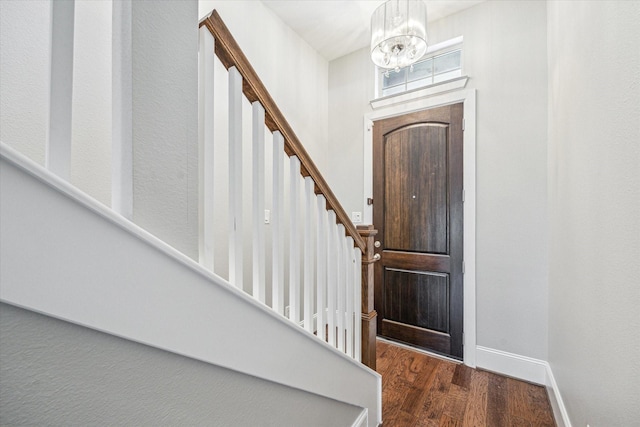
165, 121
25, 53
295, 75
594, 205
351, 82
24, 75
164, 101
505, 58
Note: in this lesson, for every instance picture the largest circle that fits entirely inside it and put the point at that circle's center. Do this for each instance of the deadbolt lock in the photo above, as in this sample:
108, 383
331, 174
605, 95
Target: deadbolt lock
376, 243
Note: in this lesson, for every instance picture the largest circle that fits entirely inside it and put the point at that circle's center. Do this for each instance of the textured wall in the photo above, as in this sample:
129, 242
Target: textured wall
56, 373
165, 43
24, 75
165, 121
351, 83
25, 50
165, 109
594, 200
505, 58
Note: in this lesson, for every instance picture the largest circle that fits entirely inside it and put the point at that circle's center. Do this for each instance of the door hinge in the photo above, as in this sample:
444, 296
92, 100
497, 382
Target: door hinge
462, 267
463, 124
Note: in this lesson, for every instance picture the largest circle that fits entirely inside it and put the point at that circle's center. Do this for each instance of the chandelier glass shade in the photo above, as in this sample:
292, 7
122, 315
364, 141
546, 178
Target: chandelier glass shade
398, 33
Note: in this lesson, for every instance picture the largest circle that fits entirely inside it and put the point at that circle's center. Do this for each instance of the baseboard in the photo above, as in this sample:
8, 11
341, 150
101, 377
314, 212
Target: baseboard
528, 369
362, 420
512, 365
559, 410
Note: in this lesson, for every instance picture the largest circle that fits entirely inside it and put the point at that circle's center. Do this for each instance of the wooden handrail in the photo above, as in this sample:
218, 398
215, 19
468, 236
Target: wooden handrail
230, 54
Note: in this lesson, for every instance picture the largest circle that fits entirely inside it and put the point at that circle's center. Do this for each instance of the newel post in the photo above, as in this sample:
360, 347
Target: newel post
368, 312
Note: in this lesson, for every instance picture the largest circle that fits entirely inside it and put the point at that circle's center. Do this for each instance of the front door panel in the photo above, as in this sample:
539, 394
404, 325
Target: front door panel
418, 212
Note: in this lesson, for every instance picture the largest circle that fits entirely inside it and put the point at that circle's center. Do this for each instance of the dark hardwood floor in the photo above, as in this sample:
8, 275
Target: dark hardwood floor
419, 390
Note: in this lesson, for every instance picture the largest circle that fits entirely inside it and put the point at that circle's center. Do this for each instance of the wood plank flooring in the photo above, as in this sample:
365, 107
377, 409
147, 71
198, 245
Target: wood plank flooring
419, 391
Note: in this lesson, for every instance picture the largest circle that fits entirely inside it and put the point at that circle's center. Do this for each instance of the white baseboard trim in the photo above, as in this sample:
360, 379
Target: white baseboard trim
559, 410
512, 365
362, 420
528, 369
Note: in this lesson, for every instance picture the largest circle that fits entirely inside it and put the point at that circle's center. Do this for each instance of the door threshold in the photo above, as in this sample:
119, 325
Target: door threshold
419, 350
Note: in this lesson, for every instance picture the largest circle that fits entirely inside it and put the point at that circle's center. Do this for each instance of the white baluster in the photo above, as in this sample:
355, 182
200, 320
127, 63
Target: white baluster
349, 295
321, 268
277, 227
258, 203
342, 274
308, 253
332, 278
58, 149
235, 178
294, 239
206, 144
357, 304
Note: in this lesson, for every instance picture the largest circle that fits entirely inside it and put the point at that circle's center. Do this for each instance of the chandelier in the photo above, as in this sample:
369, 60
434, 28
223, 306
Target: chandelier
398, 33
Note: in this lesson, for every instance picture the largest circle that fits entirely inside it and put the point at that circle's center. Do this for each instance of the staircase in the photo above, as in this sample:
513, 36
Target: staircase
283, 303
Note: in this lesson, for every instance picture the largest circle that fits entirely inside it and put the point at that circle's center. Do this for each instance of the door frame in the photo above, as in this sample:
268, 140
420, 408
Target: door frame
468, 99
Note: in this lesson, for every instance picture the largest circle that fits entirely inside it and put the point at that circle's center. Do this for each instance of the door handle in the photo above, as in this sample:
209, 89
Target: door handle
376, 257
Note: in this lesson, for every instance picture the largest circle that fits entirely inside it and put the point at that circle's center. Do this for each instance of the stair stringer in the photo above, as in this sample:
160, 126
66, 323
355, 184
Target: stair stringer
68, 256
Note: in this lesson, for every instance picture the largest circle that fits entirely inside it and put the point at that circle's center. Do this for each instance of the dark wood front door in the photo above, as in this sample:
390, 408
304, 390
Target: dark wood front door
417, 182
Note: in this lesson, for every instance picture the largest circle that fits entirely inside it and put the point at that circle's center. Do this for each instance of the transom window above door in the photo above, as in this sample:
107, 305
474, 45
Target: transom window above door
442, 62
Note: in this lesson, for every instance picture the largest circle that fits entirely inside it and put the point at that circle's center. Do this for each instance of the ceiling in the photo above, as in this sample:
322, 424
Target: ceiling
336, 28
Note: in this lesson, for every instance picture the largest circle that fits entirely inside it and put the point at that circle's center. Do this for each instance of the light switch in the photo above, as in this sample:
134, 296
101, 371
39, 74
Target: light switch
356, 217
267, 216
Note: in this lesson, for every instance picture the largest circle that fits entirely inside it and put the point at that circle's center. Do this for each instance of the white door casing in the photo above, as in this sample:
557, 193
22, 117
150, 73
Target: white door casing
408, 104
